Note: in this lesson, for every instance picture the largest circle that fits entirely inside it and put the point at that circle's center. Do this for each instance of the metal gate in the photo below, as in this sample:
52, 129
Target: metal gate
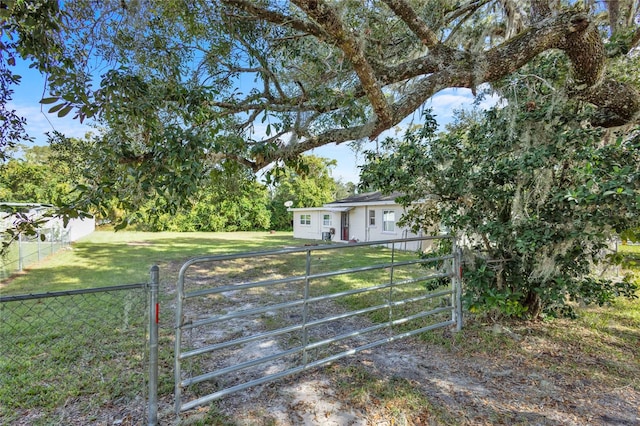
251, 318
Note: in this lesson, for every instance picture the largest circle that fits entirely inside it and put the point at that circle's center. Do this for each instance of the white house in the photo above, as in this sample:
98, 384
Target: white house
361, 217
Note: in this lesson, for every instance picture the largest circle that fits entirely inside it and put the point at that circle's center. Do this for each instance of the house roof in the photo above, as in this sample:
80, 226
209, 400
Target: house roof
367, 197
323, 208
346, 204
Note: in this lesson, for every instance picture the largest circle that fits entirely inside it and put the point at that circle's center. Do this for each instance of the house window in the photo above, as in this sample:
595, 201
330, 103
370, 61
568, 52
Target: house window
372, 218
326, 220
305, 219
388, 221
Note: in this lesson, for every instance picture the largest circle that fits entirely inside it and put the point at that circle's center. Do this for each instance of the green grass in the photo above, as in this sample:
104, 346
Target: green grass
631, 257
89, 347
365, 256
108, 258
398, 399
80, 338
34, 374
31, 253
92, 347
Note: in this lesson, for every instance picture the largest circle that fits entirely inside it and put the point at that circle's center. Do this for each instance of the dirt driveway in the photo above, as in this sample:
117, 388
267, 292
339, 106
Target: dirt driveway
488, 374
483, 389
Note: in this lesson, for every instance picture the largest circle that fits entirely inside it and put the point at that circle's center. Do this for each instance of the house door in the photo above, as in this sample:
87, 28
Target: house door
344, 226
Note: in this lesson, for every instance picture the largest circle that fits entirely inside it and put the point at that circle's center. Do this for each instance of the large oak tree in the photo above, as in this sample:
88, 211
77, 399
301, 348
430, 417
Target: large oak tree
187, 85
183, 87
310, 72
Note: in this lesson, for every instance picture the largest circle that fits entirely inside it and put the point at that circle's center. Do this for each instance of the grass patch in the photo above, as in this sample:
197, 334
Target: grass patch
209, 416
108, 258
100, 358
601, 344
400, 275
395, 400
631, 255
31, 251
364, 388
87, 347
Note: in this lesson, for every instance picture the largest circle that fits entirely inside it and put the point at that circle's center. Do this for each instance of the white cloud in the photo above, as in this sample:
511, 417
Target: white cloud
447, 102
40, 122
450, 99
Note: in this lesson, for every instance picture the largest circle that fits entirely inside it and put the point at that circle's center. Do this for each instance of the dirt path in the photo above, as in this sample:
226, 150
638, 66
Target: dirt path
461, 390
526, 384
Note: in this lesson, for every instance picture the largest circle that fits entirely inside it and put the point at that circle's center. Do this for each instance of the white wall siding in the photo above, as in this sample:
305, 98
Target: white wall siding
304, 231
376, 232
75, 229
317, 227
360, 228
79, 228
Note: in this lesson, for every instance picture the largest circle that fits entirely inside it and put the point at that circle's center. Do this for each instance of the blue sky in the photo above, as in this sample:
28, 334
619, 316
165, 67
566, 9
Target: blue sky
25, 101
27, 95
443, 105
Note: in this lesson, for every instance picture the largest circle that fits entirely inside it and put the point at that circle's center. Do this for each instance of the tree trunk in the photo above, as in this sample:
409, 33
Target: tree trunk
533, 303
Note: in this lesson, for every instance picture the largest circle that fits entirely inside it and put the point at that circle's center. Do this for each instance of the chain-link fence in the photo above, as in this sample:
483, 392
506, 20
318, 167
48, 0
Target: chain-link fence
74, 357
31, 249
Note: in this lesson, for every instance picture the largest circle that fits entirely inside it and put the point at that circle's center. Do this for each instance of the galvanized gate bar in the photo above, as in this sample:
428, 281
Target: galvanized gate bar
300, 369
288, 280
314, 345
303, 304
154, 319
267, 308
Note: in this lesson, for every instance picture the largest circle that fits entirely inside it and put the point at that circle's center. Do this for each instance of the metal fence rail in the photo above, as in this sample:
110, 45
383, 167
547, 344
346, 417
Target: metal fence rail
269, 321
29, 250
82, 349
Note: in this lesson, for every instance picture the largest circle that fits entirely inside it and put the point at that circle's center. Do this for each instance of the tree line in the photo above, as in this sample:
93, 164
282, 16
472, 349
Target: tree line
231, 199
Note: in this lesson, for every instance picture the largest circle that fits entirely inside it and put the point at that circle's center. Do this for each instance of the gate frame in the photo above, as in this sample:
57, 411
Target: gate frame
455, 292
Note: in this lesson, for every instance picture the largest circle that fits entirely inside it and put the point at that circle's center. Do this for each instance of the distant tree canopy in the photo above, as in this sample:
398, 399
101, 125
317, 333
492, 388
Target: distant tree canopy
182, 84
36, 178
232, 199
308, 185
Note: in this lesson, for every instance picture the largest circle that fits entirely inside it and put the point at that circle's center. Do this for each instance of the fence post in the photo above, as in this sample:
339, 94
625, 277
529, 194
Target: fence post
39, 249
20, 261
458, 274
154, 317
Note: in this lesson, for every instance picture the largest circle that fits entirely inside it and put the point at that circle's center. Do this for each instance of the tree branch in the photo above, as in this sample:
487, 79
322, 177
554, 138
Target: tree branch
470, 7
404, 11
278, 18
445, 67
326, 16
539, 10
330, 136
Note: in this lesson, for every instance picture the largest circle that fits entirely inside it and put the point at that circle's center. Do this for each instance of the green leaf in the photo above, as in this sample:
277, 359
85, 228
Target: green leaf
64, 111
56, 108
49, 100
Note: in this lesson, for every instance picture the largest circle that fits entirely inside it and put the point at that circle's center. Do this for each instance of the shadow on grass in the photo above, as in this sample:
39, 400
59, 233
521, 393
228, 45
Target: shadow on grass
104, 263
